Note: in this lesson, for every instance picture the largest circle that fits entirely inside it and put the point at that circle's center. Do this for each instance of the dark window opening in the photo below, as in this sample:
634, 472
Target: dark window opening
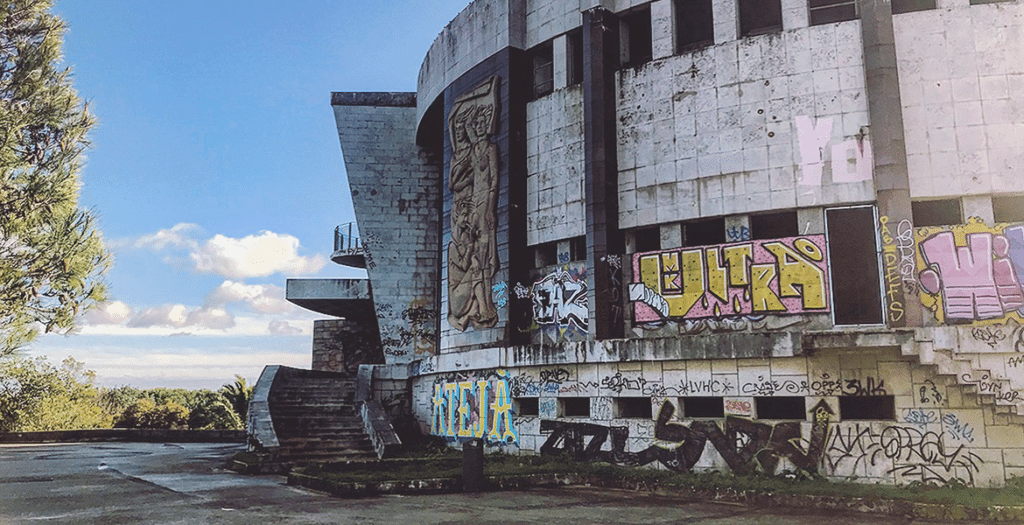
1008, 208
575, 406
936, 213
695, 26
647, 240
578, 248
527, 406
758, 17
704, 232
830, 11
698, 407
908, 6
979, 2
853, 258
783, 407
543, 70
545, 254
774, 225
875, 408
636, 37
633, 407
574, 52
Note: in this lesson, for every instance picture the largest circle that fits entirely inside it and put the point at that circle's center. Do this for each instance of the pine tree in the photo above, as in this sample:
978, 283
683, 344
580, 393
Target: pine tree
51, 253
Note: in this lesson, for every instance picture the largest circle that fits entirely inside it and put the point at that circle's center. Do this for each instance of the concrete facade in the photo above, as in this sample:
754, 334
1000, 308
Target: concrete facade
792, 246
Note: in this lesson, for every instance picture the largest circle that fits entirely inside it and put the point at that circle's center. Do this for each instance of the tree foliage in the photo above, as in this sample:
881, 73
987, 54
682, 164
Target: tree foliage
238, 395
36, 396
51, 254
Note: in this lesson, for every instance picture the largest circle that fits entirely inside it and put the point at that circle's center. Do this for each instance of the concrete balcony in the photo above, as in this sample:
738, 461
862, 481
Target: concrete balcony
349, 298
348, 251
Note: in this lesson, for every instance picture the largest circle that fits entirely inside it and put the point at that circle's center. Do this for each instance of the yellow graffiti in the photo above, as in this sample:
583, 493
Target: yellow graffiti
738, 259
797, 277
502, 407
465, 387
437, 426
764, 298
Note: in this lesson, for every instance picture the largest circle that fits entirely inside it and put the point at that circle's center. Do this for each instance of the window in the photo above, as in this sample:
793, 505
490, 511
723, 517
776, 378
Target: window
543, 70
578, 248
907, 6
702, 407
783, 407
527, 406
647, 240
635, 37
695, 27
774, 225
829, 11
633, 407
853, 259
867, 407
936, 213
545, 254
574, 406
1008, 208
977, 2
704, 233
758, 17
574, 52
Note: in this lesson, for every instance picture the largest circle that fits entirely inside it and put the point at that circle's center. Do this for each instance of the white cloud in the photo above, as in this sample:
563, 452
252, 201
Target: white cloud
262, 298
113, 312
178, 236
278, 327
179, 316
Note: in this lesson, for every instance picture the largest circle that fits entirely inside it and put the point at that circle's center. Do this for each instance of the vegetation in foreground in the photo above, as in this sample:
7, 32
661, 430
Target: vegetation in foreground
36, 395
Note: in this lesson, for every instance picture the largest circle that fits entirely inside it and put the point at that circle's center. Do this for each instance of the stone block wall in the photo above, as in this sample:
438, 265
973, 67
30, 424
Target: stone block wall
554, 167
340, 345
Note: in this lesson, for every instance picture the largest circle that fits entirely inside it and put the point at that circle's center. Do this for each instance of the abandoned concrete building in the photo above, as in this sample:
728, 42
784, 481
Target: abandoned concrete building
736, 235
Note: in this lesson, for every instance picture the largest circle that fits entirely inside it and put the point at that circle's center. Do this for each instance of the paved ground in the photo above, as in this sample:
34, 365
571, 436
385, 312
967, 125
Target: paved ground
152, 483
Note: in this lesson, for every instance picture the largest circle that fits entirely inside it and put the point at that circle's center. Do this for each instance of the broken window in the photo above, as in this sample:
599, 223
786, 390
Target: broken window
695, 27
853, 259
758, 17
543, 69
830, 11
777, 225
941, 212
635, 37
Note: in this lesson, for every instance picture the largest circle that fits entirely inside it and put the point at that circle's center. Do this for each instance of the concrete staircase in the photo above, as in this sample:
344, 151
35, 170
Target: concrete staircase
316, 418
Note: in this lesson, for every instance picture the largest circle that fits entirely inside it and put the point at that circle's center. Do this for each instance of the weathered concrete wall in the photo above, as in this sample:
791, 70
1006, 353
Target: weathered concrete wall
962, 88
554, 167
395, 188
340, 345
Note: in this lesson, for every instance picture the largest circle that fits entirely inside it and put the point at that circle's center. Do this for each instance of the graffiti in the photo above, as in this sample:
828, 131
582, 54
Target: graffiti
548, 407
912, 454
854, 387
617, 383
521, 291
826, 386
1015, 361
986, 384
769, 387
419, 329
989, 334
615, 287
929, 393
957, 429
709, 386
898, 265
557, 375
423, 367
782, 276
601, 408
560, 298
739, 407
746, 446
563, 257
919, 417
737, 233
728, 324
972, 272
474, 409
813, 136
499, 294
473, 182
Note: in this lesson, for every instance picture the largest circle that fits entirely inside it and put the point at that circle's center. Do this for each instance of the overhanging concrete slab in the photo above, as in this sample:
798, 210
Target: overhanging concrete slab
336, 297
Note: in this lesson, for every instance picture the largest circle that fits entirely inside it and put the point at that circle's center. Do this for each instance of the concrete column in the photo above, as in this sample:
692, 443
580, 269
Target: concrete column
600, 60
892, 183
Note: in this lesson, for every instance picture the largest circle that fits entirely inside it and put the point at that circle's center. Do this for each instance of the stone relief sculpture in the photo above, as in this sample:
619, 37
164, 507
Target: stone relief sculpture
473, 181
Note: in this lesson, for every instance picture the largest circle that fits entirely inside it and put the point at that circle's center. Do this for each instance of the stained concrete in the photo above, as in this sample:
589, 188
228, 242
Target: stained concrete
187, 483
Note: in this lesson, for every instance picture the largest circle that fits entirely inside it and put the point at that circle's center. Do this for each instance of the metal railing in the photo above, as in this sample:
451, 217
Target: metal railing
346, 238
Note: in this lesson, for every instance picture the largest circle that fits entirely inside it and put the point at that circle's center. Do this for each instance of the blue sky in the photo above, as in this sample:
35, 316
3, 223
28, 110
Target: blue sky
216, 171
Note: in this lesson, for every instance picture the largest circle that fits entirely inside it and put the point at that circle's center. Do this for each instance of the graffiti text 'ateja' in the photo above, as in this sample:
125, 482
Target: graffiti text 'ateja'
474, 409
781, 276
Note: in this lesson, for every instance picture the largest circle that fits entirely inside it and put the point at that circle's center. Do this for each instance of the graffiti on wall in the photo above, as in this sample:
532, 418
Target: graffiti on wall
851, 160
474, 409
781, 276
972, 272
898, 265
560, 298
473, 181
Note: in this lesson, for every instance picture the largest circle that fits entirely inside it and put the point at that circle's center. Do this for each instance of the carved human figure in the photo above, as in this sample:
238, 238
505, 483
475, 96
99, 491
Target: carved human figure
473, 181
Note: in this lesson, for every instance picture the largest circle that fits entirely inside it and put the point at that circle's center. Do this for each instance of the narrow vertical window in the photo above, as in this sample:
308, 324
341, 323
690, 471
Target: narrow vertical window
695, 27
635, 36
574, 52
760, 16
542, 63
853, 258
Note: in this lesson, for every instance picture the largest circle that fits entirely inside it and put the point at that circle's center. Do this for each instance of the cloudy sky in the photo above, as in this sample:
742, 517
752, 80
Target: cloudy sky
216, 171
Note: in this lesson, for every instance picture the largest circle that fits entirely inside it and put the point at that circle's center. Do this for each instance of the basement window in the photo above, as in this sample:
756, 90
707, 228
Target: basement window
633, 407
1008, 208
758, 17
527, 406
574, 52
695, 27
782, 407
574, 406
635, 37
702, 407
936, 213
774, 225
704, 232
909, 6
867, 408
831, 11
543, 70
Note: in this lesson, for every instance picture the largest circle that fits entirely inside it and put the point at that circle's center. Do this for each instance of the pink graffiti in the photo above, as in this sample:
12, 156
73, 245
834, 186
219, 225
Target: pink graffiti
977, 281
